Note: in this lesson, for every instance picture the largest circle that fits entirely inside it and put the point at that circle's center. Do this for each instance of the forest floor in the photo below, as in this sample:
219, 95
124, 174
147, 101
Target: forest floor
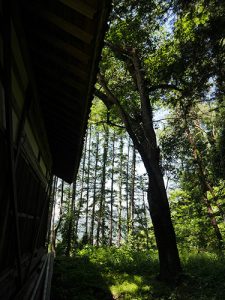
123, 273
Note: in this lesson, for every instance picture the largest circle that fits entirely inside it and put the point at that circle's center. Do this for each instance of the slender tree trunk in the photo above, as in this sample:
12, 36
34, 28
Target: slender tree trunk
70, 232
56, 228
101, 223
95, 189
120, 192
88, 182
205, 186
112, 192
51, 210
127, 188
132, 190
80, 203
103, 190
146, 220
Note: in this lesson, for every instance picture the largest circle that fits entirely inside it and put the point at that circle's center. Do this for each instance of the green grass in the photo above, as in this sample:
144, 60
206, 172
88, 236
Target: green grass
111, 273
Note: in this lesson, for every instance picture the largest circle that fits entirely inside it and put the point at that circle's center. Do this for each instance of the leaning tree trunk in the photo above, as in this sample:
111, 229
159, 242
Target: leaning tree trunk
139, 125
162, 224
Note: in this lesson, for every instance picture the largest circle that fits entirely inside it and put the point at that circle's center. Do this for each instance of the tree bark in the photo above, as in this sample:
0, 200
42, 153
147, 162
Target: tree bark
128, 189
132, 190
101, 218
163, 228
80, 203
120, 193
94, 190
56, 228
70, 236
112, 191
88, 182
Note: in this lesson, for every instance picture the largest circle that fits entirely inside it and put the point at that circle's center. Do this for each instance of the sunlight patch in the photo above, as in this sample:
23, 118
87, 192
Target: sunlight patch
125, 287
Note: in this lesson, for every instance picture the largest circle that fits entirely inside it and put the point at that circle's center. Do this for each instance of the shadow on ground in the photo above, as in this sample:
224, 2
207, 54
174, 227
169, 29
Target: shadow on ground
103, 278
78, 279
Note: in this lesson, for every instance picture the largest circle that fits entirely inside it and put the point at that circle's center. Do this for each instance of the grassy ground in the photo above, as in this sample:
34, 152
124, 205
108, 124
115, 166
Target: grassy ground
110, 273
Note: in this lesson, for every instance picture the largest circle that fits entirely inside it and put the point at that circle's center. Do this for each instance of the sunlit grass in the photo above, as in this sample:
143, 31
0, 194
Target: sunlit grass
110, 273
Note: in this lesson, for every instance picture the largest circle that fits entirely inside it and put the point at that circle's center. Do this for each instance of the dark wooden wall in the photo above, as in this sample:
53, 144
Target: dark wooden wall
25, 170
32, 213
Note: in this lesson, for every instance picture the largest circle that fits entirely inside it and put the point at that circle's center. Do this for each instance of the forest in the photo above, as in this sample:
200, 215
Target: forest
145, 217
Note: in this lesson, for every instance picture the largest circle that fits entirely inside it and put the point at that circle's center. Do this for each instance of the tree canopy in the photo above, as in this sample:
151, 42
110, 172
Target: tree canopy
161, 79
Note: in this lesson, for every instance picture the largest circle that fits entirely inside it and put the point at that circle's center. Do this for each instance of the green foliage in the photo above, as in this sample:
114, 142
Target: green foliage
120, 273
193, 230
120, 259
188, 54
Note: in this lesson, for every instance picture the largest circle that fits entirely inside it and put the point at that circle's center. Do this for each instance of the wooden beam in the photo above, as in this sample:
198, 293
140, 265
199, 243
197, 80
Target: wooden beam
80, 7
36, 120
62, 23
69, 49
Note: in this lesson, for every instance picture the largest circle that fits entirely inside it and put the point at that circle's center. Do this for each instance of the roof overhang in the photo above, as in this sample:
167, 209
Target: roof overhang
64, 39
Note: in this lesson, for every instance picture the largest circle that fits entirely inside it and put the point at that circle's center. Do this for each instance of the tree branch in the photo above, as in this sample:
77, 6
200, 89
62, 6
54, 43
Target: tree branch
146, 108
164, 86
109, 123
110, 98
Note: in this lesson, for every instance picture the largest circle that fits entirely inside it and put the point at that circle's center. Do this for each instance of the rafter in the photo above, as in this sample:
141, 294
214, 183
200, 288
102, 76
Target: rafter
63, 24
69, 49
68, 80
62, 63
80, 7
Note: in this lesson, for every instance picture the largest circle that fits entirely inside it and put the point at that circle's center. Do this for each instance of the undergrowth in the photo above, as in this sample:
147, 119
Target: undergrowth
123, 273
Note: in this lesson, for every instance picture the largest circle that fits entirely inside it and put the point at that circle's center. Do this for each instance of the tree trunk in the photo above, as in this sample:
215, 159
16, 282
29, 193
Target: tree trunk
80, 203
132, 190
205, 186
127, 188
56, 228
146, 220
163, 228
88, 182
139, 125
112, 192
101, 219
70, 236
120, 193
94, 191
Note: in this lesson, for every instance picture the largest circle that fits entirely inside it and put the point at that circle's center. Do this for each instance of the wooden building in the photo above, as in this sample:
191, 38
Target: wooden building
49, 54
